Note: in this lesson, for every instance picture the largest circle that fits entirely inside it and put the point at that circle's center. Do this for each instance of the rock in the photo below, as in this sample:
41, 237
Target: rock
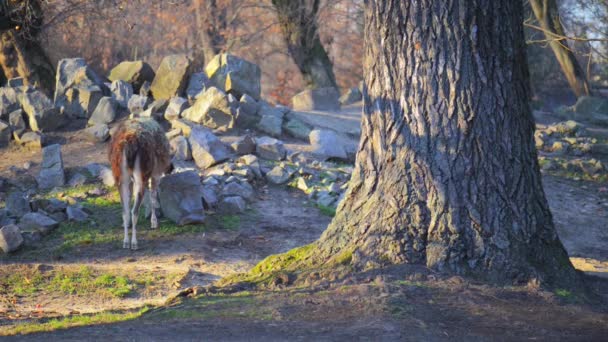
560, 147
173, 133
138, 103
145, 89
243, 190
134, 72
207, 149
266, 109
600, 150
317, 99
106, 176
197, 85
17, 204
15, 82
171, 77
42, 114
180, 148
176, 107
351, 96
302, 184
10, 238
278, 175
5, 134
105, 112
249, 105
97, 133
51, 206
181, 198
325, 199
235, 75
77, 88
32, 140
52, 174
233, 205
76, 213
271, 124
17, 123
587, 106
297, 129
326, 144
567, 128
270, 148
249, 159
210, 199
121, 92
78, 179
9, 101
159, 106
184, 126
37, 222
244, 145
212, 110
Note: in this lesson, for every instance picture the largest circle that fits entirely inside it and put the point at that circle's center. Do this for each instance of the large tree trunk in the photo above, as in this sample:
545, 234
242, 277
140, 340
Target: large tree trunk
211, 25
25, 58
447, 173
547, 14
298, 22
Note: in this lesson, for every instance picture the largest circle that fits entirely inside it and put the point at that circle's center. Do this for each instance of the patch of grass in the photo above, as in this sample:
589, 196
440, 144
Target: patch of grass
215, 306
327, 211
70, 322
230, 221
563, 293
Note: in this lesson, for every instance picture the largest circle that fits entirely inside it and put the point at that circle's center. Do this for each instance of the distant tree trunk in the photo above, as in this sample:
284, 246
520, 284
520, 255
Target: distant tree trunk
446, 173
25, 58
547, 15
298, 22
211, 26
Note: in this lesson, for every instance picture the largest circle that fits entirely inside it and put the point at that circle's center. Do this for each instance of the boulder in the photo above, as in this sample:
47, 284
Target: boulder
181, 198
81, 102
145, 89
278, 175
106, 176
5, 134
266, 109
197, 85
591, 109
171, 77
74, 73
184, 126
51, 205
105, 112
52, 173
235, 75
232, 205
15, 82
138, 104
210, 198
42, 114
9, 101
78, 179
76, 213
351, 96
212, 110
270, 148
175, 108
97, 133
243, 190
297, 129
180, 148
10, 238
121, 93
317, 99
271, 125
37, 222
244, 145
249, 105
17, 123
325, 199
32, 140
207, 149
17, 204
327, 144
134, 72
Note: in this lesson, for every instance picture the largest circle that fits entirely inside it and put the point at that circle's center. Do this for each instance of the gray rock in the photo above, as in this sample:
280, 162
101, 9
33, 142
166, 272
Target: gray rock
77, 87
94, 169
37, 222
80, 102
105, 112
97, 133
76, 213
212, 110
207, 149
17, 123
121, 92
138, 103
243, 190
15, 82
235, 75
600, 150
17, 204
52, 173
588, 105
5, 134
134, 72
327, 144
266, 109
10, 238
210, 198
324, 198
249, 105
32, 140
270, 148
184, 126
351, 96
159, 106
180, 148
278, 175
233, 205
106, 176
317, 99
176, 132
197, 85
176, 107
145, 89
51, 206
297, 129
271, 124
59, 216
9, 101
42, 114
181, 198
78, 179
244, 145
171, 77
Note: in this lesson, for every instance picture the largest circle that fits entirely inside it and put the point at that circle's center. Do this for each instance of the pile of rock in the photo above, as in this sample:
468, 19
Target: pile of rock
588, 109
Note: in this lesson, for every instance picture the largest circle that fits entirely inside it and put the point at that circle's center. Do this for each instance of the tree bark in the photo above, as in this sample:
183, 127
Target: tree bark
547, 15
210, 28
298, 22
25, 58
446, 172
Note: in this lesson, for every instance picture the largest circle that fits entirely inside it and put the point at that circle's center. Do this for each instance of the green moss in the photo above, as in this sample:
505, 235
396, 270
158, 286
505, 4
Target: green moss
230, 221
282, 261
344, 258
327, 211
563, 293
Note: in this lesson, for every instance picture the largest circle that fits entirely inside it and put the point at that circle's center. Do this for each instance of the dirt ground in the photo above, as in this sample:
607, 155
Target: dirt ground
405, 304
